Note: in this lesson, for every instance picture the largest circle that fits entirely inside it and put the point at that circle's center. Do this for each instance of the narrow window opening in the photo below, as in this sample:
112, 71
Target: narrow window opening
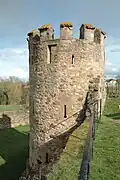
49, 55
51, 51
73, 60
65, 112
47, 160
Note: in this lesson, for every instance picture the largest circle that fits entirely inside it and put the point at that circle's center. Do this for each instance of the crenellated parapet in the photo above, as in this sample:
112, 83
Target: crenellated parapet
99, 36
34, 34
46, 32
92, 34
66, 30
87, 32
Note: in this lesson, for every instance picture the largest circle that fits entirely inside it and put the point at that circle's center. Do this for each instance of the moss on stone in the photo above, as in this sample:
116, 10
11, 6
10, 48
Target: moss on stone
89, 26
66, 24
34, 32
46, 26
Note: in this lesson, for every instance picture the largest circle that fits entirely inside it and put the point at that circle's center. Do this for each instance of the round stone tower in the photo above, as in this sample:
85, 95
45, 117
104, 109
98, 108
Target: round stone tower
59, 75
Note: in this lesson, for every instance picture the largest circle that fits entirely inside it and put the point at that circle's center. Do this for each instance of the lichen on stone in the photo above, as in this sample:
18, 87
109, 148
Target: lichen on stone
89, 26
34, 32
46, 26
66, 24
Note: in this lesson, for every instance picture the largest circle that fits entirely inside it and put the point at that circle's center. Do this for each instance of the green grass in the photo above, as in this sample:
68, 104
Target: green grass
13, 152
105, 165
9, 107
68, 166
111, 109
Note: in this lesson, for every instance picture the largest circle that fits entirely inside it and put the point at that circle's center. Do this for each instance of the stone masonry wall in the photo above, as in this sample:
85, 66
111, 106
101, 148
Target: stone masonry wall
59, 87
10, 119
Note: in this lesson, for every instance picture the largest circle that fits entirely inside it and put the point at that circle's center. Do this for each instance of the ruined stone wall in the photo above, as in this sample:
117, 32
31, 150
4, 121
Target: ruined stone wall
60, 72
10, 119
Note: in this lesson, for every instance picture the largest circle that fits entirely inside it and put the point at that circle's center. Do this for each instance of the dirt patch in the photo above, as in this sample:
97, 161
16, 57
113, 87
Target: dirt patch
116, 121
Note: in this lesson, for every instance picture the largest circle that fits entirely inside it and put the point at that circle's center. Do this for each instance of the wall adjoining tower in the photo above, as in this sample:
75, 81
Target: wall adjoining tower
60, 74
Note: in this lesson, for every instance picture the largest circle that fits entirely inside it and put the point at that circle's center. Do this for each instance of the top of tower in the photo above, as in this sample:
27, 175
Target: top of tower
46, 32
45, 27
88, 26
66, 24
34, 33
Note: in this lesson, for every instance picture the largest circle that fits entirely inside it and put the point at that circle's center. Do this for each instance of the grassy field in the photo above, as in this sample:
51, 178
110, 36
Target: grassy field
111, 108
9, 108
13, 152
68, 166
105, 165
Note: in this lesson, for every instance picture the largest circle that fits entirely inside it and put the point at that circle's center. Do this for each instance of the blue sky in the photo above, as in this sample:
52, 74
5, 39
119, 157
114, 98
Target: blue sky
18, 17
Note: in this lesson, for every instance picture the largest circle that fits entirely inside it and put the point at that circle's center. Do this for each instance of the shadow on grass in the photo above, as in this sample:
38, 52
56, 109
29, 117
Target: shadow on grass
13, 153
114, 116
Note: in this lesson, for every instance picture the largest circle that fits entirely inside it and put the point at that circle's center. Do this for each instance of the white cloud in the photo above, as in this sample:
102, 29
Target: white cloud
14, 62
111, 69
112, 65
